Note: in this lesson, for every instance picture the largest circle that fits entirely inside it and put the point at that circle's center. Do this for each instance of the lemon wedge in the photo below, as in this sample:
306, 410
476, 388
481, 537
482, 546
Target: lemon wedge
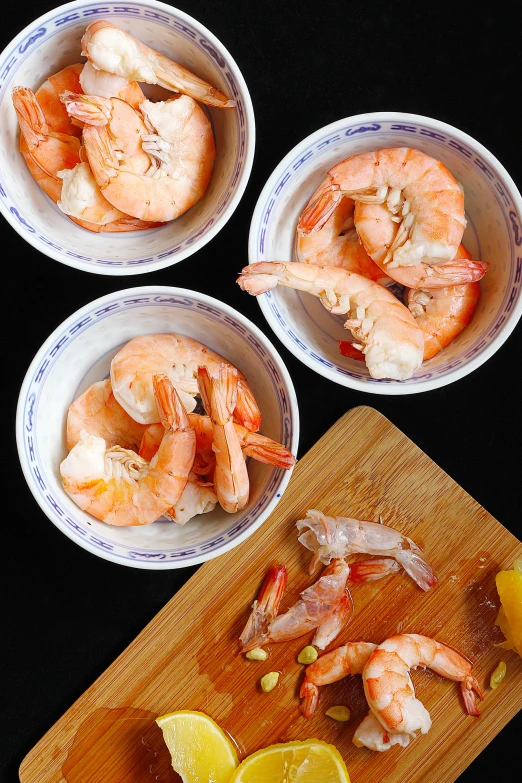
200, 750
310, 761
509, 587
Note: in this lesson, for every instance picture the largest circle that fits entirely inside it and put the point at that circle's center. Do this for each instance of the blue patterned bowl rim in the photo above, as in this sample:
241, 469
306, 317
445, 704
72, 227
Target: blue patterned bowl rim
69, 13
494, 173
27, 439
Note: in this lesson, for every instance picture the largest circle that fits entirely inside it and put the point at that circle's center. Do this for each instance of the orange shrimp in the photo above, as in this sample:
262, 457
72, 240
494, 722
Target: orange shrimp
218, 395
48, 98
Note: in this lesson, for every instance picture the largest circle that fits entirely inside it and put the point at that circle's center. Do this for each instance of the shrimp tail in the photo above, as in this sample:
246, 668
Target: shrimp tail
247, 410
348, 349
316, 214
218, 394
171, 409
268, 451
101, 155
469, 686
309, 693
335, 622
92, 109
264, 608
30, 117
416, 566
370, 570
260, 277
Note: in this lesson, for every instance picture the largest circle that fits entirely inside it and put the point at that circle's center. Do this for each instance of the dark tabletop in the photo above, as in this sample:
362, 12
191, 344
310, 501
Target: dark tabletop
67, 613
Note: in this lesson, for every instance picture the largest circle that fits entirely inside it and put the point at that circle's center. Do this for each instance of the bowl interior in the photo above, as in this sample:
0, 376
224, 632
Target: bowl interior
51, 46
81, 354
300, 320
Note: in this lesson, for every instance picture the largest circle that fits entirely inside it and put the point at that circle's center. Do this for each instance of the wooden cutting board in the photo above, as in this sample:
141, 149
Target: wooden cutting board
186, 657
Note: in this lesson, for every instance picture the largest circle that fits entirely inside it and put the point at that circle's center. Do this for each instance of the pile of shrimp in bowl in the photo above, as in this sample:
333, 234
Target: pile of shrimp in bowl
166, 436
379, 243
111, 159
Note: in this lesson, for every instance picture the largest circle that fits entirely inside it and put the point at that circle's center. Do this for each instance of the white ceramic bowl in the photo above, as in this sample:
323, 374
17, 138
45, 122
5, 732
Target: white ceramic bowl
79, 352
494, 234
53, 41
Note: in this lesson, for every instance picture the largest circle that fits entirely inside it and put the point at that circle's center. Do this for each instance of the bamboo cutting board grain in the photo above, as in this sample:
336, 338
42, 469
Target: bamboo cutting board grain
186, 658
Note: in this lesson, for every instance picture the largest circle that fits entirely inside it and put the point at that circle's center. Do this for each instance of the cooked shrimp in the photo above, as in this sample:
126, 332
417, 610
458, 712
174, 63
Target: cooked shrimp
333, 537
331, 667
198, 497
49, 150
265, 607
178, 357
442, 313
378, 232
218, 395
94, 81
314, 609
391, 341
254, 445
117, 52
181, 145
117, 486
336, 243
388, 687
370, 734
97, 412
420, 194
48, 98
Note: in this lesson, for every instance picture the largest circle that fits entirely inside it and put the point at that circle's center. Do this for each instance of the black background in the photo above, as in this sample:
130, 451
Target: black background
68, 613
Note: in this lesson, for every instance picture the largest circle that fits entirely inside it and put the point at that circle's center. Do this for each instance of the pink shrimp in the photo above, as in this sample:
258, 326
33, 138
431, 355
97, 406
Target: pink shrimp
218, 395
117, 486
388, 687
48, 98
417, 192
378, 234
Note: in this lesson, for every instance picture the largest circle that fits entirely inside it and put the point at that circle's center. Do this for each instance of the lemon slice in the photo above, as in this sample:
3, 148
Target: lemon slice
311, 761
200, 750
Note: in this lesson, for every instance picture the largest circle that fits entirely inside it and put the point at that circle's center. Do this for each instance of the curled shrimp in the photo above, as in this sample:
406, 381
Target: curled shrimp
331, 667
97, 412
388, 687
419, 194
181, 147
333, 537
117, 52
116, 486
254, 445
391, 341
442, 313
197, 498
326, 605
179, 357
379, 232
218, 395
94, 81
336, 242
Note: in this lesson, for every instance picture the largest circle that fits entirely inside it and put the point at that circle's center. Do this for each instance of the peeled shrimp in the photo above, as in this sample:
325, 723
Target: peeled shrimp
333, 537
254, 445
94, 81
389, 689
331, 667
218, 395
442, 313
391, 341
326, 605
420, 194
117, 52
115, 486
97, 412
379, 232
181, 147
178, 357
336, 242
48, 98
